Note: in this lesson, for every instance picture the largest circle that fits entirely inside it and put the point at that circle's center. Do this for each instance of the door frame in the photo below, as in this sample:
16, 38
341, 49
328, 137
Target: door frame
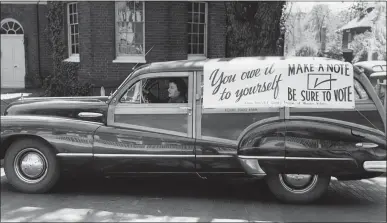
164, 108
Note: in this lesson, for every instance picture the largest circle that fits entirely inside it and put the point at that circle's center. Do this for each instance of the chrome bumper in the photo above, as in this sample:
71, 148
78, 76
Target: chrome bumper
375, 166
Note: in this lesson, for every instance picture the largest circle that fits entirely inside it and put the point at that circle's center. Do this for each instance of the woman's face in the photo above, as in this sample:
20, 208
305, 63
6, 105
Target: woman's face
172, 90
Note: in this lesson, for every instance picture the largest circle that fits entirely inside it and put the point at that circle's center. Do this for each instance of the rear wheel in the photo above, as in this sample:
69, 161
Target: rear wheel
298, 188
31, 166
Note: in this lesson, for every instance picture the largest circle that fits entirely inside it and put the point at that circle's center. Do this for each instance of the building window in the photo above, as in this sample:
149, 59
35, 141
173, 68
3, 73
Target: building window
73, 30
130, 31
197, 29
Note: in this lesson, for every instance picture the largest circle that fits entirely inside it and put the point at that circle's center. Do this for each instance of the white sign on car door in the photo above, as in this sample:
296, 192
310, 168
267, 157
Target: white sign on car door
273, 82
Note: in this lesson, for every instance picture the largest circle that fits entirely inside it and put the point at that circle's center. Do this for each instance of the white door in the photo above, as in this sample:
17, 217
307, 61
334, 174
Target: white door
12, 61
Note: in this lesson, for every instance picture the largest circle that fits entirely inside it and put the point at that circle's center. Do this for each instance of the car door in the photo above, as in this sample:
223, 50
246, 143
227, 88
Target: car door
219, 130
145, 136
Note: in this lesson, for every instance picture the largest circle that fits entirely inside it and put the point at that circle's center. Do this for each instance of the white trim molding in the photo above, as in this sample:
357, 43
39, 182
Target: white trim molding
130, 59
40, 2
73, 58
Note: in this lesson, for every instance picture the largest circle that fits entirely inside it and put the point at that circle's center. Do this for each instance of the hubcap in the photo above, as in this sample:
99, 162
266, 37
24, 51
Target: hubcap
298, 183
30, 165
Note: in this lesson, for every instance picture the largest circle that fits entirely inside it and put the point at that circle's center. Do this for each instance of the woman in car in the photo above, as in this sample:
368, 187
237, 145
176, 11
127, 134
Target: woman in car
176, 92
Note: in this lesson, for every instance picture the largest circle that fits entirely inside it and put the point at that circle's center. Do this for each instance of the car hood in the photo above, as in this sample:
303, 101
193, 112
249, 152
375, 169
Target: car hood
95, 108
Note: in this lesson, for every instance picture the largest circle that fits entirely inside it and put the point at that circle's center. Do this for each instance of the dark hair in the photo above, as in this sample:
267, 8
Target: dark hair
180, 84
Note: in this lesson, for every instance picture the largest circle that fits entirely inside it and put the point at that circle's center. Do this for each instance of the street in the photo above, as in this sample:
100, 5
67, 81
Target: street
193, 200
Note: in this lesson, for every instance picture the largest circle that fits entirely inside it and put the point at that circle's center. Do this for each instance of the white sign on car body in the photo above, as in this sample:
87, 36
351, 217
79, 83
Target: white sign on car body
295, 82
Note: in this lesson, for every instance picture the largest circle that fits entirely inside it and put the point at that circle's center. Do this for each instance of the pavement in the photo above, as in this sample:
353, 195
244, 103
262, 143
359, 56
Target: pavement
193, 200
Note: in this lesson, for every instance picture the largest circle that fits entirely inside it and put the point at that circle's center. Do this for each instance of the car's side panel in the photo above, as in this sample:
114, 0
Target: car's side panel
365, 114
324, 147
72, 140
129, 151
265, 143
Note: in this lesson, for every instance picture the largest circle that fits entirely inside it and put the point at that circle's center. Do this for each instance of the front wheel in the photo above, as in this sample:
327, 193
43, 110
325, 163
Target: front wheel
298, 188
31, 166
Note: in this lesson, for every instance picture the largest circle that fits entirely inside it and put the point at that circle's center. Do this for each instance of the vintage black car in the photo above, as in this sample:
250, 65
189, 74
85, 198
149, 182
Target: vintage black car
135, 131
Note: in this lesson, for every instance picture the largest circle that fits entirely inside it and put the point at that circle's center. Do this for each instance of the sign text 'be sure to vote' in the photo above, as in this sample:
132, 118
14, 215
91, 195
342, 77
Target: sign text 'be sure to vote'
277, 83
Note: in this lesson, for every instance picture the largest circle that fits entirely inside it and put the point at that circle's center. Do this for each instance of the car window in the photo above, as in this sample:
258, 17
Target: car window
133, 94
157, 90
360, 92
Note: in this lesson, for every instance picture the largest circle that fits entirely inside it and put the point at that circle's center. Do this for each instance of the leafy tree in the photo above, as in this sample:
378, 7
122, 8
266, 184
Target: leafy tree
254, 28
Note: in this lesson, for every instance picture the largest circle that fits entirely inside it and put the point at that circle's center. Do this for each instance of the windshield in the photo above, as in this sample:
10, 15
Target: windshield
123, 82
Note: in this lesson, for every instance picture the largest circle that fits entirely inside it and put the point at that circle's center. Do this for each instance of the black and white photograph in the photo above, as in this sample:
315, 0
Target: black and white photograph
193, 111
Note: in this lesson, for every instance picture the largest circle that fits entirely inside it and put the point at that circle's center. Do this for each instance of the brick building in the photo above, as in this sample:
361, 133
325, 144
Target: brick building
109, 38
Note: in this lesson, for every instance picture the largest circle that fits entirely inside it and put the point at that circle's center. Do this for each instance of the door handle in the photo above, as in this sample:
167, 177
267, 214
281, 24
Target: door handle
366, 145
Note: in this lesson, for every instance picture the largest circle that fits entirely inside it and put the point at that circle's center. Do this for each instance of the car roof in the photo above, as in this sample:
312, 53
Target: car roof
198, 64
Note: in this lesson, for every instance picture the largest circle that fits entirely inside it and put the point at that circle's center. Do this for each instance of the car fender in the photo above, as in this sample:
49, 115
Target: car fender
67, 137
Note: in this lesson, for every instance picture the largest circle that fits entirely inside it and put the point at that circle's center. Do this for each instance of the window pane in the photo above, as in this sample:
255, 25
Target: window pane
196, 17
190, 17
77, 38
75, 18
195, 48
11, 31
70, 9
201, 38
76, 28
201, 48
189, 48
196, 7
202, 18
138, 38
73, 49
189, 38
190, 7
201, 28
72, 29
139, 16
195, 28
72, 39
3, 31
138, 27
75, 8
202, 7
71, 19
195, 38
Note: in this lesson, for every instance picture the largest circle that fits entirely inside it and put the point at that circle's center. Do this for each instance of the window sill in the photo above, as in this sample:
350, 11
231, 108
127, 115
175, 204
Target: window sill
74, 59
130, 59
196, 57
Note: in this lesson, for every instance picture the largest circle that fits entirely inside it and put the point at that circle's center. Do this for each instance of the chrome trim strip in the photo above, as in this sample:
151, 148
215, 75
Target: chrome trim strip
318, 158
74, 154
375, 166
143, 155
214, 156
261, 157
290, 158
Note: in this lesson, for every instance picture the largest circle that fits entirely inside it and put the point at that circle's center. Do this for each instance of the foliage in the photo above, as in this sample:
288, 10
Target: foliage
253, 28
64, 80
375, 40
306, 51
